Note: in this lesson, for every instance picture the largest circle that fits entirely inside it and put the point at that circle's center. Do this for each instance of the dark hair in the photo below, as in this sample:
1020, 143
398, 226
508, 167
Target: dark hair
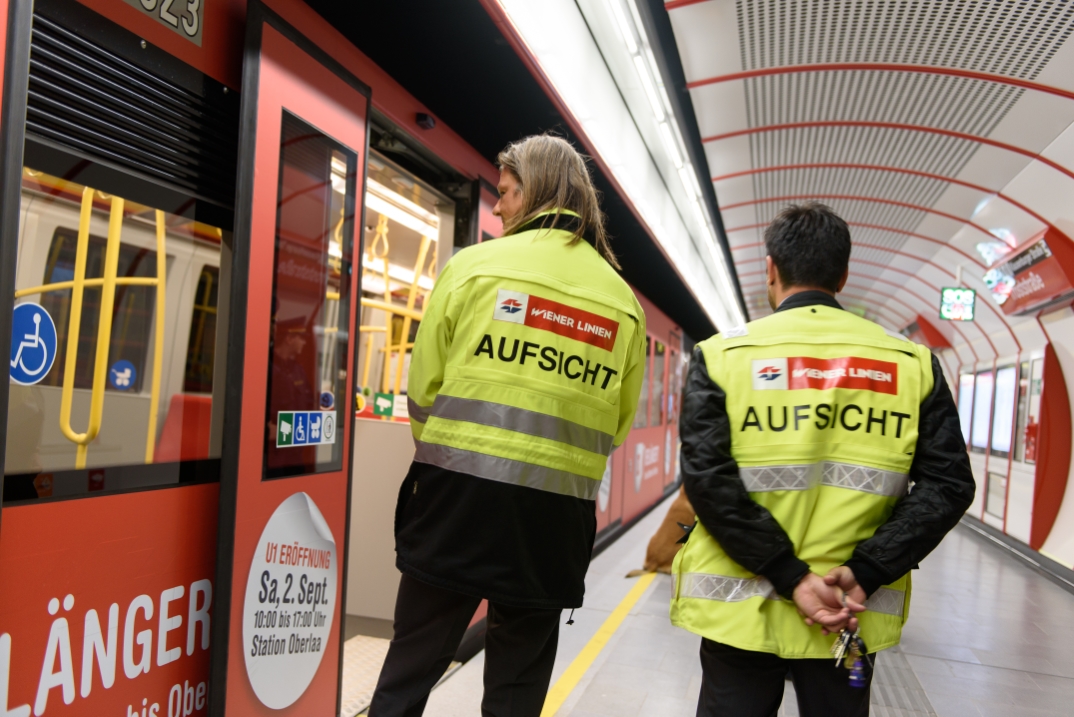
810, 246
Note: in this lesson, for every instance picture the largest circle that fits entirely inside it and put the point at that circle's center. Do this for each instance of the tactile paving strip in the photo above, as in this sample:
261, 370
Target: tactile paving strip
363, 657
895, 691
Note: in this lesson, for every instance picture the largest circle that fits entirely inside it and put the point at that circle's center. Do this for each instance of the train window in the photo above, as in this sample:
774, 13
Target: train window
201, 348
97, 383
657, 406
1003, 412
132, 313
406, 223
308, 359
982, 411
641, 416
965, 404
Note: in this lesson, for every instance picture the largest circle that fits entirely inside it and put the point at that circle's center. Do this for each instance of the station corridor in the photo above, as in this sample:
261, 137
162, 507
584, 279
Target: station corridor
987, 636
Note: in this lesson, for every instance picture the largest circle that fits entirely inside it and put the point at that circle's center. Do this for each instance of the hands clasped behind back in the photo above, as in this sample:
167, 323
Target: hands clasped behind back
831, 601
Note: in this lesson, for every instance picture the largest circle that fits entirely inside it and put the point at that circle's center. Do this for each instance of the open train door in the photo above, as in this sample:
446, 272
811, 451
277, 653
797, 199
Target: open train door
285, 490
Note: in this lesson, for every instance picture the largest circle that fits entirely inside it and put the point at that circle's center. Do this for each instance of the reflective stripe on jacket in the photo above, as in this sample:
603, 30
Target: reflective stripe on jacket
823, 412
528, 363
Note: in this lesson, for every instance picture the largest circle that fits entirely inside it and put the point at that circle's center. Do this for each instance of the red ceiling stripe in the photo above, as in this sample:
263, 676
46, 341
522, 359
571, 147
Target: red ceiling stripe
857, 198
887, 168
883, 67
894, 125
673, 4
866, 225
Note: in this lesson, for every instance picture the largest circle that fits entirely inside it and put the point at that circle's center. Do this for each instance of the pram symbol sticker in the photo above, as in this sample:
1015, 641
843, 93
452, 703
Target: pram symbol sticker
33, 344
122, 375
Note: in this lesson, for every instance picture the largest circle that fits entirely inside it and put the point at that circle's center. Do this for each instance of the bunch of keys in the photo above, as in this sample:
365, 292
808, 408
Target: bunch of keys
849, 648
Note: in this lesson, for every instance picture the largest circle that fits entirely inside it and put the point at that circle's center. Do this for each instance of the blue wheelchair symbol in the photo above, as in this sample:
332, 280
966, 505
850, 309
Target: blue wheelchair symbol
33, 344
122, 375
301, 429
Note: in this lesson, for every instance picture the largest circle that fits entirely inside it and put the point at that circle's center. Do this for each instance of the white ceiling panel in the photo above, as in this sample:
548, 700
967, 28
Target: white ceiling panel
708, 38
720, 108
878, 144
733, 191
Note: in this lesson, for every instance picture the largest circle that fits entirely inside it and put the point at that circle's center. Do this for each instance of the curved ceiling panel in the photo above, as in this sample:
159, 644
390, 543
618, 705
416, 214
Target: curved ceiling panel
942, 132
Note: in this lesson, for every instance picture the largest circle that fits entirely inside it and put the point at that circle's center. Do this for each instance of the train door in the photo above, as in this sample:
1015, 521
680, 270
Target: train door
643, 470
283, 528
675, 374
117, 216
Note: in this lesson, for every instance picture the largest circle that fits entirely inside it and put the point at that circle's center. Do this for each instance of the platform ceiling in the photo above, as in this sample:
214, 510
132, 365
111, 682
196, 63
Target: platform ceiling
931, 127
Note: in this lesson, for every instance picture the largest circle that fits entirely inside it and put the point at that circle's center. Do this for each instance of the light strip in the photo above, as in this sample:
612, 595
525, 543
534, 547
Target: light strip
648, 75
399, 273
392, 211
584, 52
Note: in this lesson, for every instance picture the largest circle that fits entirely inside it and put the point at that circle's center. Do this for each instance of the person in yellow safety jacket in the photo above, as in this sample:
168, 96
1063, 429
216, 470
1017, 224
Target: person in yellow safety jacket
802, 433
526, 372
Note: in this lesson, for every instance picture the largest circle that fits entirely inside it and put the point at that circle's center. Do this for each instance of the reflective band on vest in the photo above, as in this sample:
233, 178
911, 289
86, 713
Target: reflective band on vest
416, 412
723, 588
506, 470
764, 479
522, 420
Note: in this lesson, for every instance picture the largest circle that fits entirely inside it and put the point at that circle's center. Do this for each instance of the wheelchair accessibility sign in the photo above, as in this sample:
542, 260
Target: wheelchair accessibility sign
305, 428
33, 344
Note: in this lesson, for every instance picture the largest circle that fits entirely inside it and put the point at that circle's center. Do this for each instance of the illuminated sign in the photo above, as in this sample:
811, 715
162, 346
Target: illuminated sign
957, 303
1035, 277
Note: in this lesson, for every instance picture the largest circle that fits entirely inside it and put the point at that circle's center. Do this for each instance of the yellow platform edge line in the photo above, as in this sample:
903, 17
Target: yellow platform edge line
581, 664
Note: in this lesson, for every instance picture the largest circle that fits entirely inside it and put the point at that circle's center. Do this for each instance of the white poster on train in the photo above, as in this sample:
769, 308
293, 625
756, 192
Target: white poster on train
290, 596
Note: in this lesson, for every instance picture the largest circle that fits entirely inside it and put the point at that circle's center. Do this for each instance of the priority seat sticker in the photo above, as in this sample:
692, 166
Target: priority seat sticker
561, 319
852, 372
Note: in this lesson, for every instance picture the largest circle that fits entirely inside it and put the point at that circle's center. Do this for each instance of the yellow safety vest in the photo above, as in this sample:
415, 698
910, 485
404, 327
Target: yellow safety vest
528, 363
824, 409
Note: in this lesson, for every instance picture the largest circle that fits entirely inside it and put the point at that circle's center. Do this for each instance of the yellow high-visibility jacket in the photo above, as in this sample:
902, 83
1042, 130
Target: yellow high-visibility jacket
823, 412
526, 372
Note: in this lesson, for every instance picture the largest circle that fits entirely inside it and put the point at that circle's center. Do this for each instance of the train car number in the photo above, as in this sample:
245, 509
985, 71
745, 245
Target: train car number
182, 16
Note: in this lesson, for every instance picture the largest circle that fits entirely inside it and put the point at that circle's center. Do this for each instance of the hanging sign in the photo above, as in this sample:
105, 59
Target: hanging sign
1033, 277
957, 303
290, 600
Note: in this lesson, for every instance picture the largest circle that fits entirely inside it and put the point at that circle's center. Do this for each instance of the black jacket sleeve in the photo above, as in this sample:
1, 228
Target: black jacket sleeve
745, 530
943, 489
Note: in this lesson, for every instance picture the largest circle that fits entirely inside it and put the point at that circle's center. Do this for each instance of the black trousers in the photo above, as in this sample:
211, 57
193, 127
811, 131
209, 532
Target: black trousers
750, 684
520, 649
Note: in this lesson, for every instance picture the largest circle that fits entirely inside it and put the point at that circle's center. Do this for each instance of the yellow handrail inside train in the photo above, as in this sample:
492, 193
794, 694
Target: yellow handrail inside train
158, 346
108, 284
74, 325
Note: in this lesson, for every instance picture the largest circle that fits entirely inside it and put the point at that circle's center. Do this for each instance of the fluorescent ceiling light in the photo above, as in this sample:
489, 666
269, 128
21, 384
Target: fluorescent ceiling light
399, 273
595, 57
407, 219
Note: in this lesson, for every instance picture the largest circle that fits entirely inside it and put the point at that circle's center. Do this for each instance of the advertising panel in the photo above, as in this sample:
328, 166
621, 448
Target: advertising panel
114, 605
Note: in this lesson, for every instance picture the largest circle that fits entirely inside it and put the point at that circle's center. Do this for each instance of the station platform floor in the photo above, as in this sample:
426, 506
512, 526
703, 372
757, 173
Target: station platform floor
987, 637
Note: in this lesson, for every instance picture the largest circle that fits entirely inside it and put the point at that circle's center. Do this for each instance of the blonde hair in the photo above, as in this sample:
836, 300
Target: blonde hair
553, 176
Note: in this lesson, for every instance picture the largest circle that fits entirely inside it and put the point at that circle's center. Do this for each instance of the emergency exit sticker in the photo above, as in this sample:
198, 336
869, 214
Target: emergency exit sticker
305, 428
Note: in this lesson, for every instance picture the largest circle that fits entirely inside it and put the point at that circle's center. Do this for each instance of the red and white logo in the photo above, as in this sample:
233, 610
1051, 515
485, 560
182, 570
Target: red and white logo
851, 372
561, 319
